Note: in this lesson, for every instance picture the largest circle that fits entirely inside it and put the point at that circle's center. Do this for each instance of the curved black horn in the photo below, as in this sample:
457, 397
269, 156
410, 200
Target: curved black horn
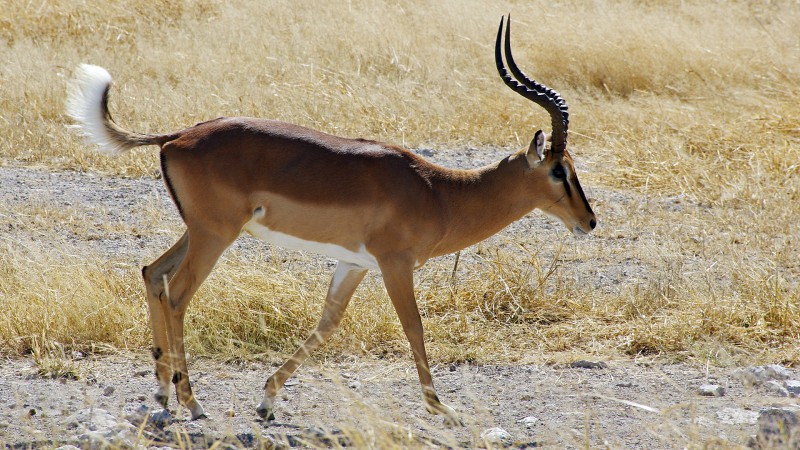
540, 94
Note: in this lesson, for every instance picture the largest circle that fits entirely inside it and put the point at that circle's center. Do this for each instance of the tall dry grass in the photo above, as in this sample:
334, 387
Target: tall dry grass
685, 123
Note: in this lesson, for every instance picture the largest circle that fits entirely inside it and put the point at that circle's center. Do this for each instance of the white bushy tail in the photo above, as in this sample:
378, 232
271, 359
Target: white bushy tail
87, 104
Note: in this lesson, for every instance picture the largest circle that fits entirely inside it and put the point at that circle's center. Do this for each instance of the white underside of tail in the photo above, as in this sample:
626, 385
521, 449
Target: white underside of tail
85, 106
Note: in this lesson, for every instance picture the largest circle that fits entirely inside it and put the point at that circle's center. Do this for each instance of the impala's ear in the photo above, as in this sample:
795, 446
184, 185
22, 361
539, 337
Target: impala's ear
536, 150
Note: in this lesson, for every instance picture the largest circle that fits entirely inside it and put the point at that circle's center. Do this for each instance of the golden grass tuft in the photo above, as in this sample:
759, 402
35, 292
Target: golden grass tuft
56, 298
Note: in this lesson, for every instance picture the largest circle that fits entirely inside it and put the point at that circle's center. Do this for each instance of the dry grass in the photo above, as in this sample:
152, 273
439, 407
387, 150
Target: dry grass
689, 112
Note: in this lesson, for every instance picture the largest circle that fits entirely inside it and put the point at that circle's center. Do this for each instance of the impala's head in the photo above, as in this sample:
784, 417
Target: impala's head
563, 195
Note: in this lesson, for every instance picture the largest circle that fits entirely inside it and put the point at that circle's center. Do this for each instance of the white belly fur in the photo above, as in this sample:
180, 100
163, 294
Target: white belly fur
362, 258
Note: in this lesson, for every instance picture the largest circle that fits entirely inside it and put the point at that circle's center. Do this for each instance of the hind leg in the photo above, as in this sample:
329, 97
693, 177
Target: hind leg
344, 282
156, 277
204, 249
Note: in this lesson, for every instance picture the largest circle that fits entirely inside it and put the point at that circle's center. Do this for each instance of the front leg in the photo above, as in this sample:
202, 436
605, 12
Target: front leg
399, 280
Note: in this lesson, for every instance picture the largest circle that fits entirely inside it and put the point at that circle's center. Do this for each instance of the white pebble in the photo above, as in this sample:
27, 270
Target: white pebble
497, 436
529, 421
711, 390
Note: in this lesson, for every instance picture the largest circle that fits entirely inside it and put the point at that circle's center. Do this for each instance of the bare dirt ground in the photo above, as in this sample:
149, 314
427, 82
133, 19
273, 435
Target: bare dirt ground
629, 403
358, 402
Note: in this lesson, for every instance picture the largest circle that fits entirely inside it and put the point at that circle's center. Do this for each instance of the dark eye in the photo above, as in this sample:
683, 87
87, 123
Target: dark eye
558, 172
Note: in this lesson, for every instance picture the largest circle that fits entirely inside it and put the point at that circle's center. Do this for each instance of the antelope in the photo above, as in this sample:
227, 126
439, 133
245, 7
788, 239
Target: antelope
370, 205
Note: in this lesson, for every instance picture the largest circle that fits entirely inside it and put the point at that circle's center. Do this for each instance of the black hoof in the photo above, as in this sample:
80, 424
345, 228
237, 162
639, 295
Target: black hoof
265, 413
453, 422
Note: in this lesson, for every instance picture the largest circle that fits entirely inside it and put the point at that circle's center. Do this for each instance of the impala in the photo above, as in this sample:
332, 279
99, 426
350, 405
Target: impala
367, 204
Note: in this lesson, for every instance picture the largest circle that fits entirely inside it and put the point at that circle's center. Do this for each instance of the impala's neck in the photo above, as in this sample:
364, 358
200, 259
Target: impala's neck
483, 201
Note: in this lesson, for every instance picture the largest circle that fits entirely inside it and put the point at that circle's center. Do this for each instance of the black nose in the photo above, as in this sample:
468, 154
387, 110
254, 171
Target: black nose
592, 224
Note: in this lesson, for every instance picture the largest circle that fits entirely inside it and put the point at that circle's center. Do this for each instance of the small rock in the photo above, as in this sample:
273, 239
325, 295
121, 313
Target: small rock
138, 415
584, 364
497, 436
68, 447
776, 388
354, 384
711, 390
778, 428
752, 376
758, 375
112, 438
735, 416
777, 372
93, 419
316, 433
528, 421
624, 384
108, 391
793, 386
230, 412
98, 428
160, 418
193, 427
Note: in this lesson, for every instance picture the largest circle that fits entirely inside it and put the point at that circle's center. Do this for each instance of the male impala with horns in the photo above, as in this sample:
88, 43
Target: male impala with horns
367, 204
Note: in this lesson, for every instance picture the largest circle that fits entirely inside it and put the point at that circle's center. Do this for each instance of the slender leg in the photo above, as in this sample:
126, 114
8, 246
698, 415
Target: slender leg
399, 280
344, 282
154, 274
203, 251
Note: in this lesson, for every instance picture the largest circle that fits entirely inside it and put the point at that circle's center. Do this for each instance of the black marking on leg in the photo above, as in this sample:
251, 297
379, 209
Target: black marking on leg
434, 398
162, 400
177, 377
157, 353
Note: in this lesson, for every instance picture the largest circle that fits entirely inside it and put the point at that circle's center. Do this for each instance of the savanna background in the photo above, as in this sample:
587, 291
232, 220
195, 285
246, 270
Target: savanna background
685, 125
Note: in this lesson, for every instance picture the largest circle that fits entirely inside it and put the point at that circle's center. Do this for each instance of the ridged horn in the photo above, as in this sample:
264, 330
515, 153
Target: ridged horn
538, 93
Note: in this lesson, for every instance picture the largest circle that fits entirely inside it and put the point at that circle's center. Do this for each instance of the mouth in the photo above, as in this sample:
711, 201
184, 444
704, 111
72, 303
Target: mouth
582, 229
